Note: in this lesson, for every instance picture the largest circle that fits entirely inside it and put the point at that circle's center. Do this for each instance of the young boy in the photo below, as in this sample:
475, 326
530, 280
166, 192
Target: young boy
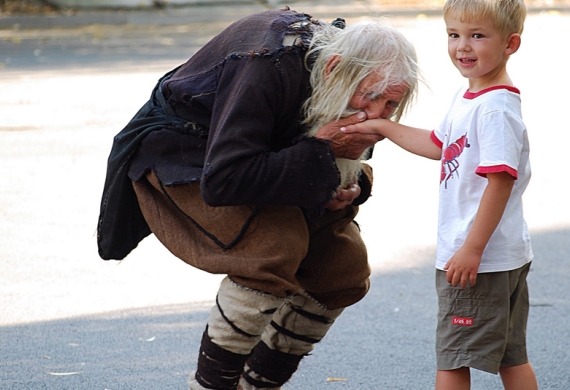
483, 249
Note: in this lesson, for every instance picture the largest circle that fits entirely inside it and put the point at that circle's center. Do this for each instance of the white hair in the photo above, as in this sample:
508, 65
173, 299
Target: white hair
364, 48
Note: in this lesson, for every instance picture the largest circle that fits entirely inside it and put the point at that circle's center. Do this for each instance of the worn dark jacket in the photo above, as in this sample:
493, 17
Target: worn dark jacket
230, 117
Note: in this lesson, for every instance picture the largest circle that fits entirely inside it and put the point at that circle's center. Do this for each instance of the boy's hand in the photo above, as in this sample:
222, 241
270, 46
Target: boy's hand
371, 126
462, 268
464, 264
344, 145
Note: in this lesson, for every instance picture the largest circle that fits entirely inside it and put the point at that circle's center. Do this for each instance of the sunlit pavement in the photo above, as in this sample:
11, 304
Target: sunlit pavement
136, 324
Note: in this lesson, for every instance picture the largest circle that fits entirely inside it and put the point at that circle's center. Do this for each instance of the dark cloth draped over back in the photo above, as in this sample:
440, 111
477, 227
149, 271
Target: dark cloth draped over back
230, 118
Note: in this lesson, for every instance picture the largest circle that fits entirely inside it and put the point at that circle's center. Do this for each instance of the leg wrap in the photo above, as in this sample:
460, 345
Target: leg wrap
234, 328
299, 324
277, 368
217, 368
239, 317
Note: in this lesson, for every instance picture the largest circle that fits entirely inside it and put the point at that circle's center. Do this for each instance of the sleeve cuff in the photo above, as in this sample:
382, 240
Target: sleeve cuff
483, 171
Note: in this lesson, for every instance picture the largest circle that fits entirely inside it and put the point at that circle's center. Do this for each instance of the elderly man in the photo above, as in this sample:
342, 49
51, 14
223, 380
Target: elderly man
234, 165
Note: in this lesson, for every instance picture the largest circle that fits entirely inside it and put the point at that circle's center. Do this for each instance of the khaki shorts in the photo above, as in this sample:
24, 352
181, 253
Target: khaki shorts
483, 326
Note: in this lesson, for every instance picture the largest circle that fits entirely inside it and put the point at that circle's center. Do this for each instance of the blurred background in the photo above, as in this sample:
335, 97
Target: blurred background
73, 73
42, 6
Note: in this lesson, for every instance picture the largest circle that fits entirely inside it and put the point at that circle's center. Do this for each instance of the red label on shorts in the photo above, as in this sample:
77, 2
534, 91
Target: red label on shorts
462, 321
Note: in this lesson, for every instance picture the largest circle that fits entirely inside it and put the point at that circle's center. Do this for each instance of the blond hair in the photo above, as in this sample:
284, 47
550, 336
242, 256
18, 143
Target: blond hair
508, 16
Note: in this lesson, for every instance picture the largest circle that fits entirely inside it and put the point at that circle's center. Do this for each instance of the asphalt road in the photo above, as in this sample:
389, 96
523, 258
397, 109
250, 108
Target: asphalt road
69, 320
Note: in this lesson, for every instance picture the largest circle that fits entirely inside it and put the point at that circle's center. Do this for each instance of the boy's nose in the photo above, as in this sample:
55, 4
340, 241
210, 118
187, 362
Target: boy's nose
463, 45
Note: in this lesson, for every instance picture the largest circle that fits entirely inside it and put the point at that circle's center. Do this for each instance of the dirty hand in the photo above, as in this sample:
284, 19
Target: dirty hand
344, 197
349, 146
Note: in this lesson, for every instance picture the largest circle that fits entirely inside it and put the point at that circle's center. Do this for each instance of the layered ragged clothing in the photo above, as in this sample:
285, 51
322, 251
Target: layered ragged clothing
217, 166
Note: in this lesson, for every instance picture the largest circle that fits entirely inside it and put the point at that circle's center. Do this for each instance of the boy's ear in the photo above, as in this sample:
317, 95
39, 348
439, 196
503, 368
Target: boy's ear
513, 43
331, 64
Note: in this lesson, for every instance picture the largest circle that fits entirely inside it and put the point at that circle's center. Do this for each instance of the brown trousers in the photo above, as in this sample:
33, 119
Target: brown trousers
267, 248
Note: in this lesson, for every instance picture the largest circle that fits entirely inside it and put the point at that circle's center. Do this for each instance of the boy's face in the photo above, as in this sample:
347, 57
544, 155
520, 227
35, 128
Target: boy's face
478, 50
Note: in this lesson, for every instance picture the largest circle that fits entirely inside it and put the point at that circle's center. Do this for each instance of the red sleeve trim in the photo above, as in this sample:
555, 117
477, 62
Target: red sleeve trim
483, 171
436, 140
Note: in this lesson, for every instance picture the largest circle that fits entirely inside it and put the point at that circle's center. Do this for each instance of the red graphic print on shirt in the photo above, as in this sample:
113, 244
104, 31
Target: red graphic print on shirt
449, 163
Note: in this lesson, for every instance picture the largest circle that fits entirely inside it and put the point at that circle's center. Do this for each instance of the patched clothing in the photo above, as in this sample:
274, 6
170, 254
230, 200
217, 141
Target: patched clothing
225, 177
218, 166
230, 118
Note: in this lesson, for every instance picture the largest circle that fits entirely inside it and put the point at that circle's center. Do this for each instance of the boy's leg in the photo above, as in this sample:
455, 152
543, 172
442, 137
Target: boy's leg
519, 377
516, 371
459, 379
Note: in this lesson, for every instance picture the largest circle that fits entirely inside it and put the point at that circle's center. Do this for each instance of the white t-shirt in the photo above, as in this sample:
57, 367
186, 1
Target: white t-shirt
483, 133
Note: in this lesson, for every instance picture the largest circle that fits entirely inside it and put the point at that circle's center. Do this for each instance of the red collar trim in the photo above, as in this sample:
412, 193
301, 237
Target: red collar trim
473, 95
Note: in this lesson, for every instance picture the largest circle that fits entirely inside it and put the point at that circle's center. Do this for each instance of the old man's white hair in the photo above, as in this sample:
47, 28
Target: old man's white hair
365, 48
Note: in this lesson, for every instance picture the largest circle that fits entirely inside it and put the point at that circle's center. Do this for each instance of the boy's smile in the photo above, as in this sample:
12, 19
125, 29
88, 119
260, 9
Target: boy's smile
479, 51
467, 62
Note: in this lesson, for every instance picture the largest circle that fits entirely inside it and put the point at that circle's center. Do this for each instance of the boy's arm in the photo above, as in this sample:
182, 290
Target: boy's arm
412, 139
464, 264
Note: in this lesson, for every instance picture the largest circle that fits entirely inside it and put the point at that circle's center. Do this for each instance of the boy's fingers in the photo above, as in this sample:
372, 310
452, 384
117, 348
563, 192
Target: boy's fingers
346, 123
353, 119
449, 276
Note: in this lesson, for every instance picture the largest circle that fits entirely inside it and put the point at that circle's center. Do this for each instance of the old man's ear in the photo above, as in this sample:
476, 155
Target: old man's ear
331, 64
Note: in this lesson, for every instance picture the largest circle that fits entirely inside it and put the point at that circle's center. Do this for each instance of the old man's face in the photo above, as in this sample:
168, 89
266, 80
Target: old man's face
377, 105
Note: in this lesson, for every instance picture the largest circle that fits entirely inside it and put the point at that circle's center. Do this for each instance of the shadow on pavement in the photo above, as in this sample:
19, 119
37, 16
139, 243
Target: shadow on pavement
151, 348
383, 342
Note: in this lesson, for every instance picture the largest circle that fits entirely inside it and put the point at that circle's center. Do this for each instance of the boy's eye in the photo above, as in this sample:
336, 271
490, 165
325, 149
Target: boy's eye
478, 36
453, 35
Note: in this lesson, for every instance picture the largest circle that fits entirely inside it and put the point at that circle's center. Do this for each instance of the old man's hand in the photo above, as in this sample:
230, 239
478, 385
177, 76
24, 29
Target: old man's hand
344, 197
349, 146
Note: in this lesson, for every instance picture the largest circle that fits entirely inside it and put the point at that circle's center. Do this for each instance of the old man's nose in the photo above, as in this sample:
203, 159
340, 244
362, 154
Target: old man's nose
371, 110
376, 110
